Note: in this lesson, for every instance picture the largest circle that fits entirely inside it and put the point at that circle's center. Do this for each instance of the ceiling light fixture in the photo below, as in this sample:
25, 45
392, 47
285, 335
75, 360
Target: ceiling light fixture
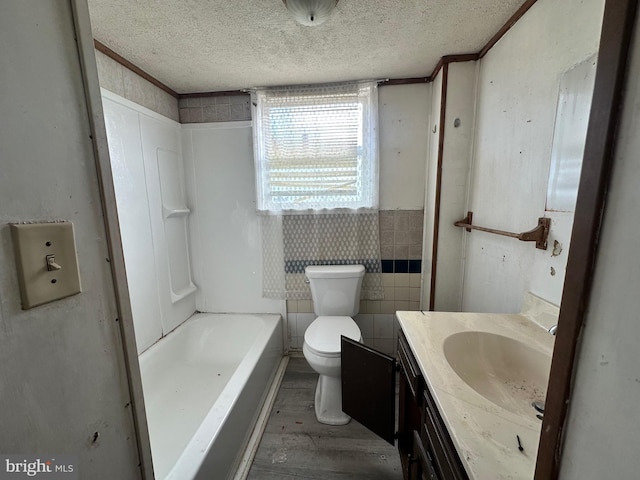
310, 12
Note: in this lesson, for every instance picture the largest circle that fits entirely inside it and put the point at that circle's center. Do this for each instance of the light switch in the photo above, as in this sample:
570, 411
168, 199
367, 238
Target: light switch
47, 262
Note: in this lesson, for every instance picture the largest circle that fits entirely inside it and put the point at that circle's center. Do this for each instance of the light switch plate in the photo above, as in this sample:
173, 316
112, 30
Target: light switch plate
42, 281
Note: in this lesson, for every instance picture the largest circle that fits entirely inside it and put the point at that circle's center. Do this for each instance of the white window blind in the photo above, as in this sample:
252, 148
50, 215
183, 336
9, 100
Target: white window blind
316, 148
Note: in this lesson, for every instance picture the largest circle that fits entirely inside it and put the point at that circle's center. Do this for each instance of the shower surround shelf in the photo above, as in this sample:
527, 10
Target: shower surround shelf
538, 234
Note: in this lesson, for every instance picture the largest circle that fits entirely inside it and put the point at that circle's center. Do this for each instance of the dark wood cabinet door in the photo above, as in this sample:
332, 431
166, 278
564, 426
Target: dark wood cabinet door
369, 388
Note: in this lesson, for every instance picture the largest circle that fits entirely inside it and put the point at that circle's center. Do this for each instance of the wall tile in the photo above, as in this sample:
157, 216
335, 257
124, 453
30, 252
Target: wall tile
305, 306
402, 221
389, 293
402, 305
195, 114
402, 280
401, 293
222, 100
209, 113
416, 220
388, 279
386, 251
138, 90
383, 326
387, 306
239, 99
223, 113
292, 306
387, 238
414, 306
194, 102
414, 294
292, 324
385, 345
401, 252
373, 306
402, 238
386, 221
185, 116
110, 74
365, 322
237, 112
208, 101
414, 280
166, 105
304, 320
415, 252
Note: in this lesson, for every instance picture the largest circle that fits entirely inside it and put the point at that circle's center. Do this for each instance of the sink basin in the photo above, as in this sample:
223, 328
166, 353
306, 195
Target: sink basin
507, 372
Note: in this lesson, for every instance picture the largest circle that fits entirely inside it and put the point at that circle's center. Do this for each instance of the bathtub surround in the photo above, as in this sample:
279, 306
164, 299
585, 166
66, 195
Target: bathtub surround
146, 160
225, 229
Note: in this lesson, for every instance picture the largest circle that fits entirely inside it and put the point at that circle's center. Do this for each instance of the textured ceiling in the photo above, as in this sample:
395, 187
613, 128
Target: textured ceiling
214, 45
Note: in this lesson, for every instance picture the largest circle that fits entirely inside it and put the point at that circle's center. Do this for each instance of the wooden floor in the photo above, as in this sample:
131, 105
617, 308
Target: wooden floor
296, 445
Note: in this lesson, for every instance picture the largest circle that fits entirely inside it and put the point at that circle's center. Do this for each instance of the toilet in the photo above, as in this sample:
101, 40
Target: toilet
335, 290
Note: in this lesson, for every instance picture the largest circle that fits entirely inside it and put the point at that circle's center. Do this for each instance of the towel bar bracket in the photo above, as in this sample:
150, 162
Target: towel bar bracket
538, 234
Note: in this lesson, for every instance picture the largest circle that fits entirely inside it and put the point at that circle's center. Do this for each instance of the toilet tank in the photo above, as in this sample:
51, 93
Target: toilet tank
335, 289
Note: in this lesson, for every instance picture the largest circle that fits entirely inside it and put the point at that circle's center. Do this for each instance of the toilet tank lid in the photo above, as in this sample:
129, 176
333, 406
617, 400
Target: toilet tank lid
334, 271
323, 335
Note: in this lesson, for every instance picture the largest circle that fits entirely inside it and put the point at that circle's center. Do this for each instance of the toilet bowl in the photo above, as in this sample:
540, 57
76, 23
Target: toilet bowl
321, 348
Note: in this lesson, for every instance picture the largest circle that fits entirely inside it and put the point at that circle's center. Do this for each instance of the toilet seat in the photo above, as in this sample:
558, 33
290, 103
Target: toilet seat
323, 335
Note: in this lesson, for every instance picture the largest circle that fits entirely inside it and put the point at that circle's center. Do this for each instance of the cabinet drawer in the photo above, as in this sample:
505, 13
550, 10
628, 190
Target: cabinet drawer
410, 367
426, 470
434, 432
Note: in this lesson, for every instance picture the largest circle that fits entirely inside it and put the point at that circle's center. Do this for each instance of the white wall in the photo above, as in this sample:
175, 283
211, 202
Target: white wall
517, 96
601, 436
62, 372
456, 160
404, 122
603, 426
227, 245
136, 137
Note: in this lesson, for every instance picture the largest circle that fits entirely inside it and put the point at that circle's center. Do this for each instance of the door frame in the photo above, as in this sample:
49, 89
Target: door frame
93, 97
617, 27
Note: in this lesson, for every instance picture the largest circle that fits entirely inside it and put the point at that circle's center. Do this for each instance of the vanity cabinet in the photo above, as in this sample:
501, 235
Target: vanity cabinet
369, 397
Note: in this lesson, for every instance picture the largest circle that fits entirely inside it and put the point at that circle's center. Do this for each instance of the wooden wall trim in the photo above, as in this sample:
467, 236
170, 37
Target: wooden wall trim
404, 81
505, 28
617, 27
461, 57
436, 214
134, 68
225, 93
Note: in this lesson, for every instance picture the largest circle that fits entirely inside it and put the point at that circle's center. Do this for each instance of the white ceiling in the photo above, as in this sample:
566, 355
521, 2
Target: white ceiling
214, 45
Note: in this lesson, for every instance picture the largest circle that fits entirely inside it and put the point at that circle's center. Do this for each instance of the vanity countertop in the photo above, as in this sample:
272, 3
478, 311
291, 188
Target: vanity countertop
483, 432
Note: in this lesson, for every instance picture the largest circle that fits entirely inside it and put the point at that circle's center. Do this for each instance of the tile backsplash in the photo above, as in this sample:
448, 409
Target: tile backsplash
401, 253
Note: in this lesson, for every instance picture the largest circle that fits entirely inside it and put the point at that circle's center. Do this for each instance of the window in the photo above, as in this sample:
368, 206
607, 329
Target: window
316, 148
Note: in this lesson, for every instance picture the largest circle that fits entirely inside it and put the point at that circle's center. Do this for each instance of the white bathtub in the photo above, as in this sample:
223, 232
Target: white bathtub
204, 385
